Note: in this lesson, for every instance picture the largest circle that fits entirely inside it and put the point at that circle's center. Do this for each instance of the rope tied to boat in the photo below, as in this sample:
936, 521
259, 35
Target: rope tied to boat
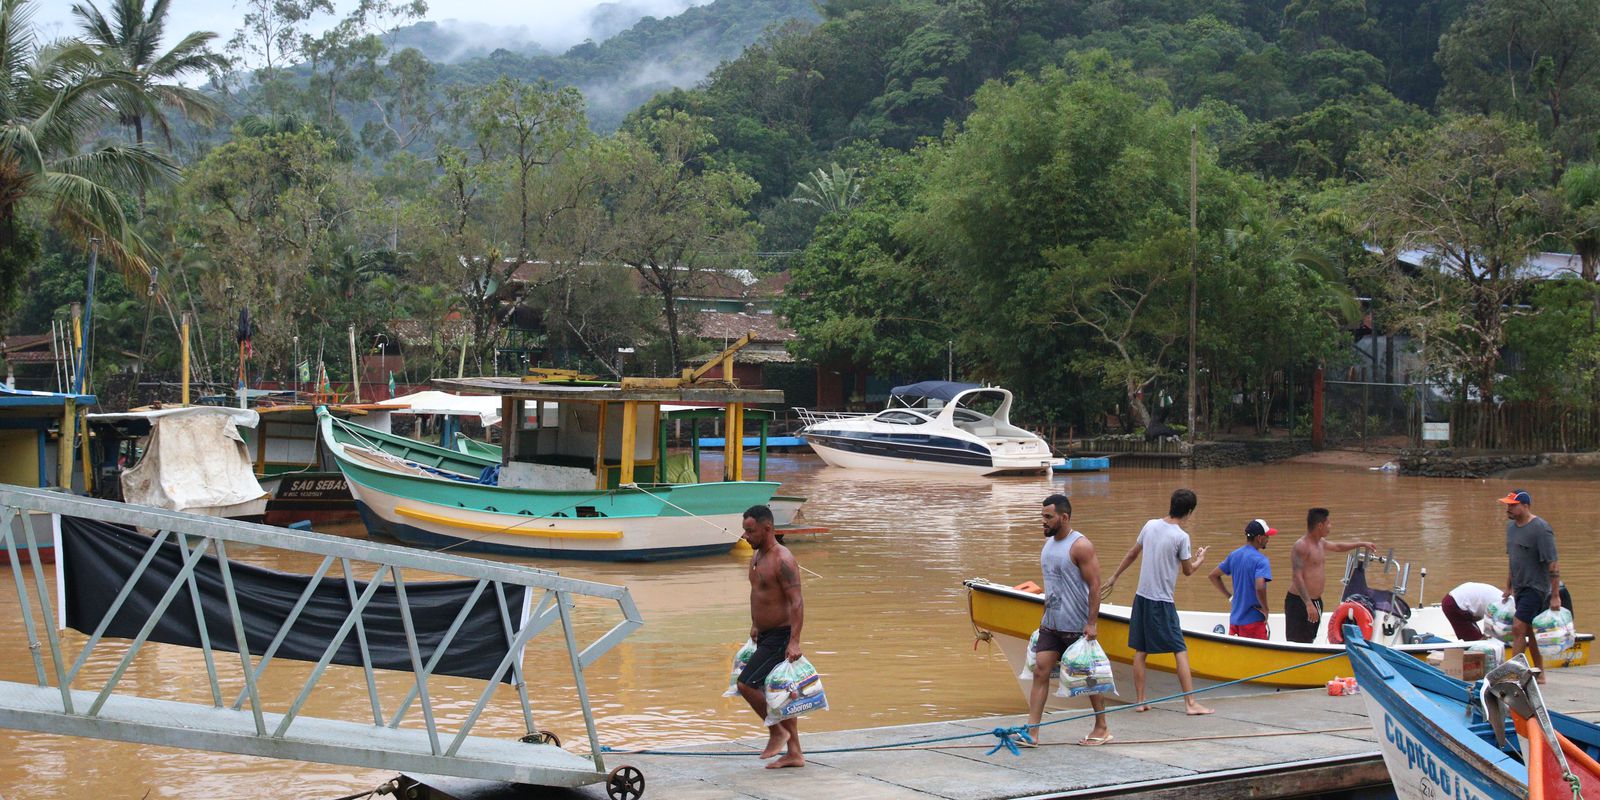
1008, 739
1004, 734
1576, 783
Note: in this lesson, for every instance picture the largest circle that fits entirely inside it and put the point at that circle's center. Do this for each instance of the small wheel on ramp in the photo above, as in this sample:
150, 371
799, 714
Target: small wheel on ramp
625, 783
542, 737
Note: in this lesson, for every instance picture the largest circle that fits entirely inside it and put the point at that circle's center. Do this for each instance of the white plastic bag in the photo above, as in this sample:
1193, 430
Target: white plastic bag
1031, 660
1554, 633
1086, 669
794, 688
1499, 619
739, 660
1493, 650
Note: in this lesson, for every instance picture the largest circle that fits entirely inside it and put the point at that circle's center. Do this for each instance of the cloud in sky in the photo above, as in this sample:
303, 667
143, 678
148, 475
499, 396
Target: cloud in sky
556, 24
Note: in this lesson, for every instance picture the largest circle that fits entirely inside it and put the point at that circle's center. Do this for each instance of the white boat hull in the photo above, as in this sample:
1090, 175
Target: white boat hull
428, 524
847, 459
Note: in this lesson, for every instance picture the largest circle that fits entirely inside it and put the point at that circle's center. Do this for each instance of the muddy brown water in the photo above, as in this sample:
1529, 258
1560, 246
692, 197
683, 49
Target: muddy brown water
886, 621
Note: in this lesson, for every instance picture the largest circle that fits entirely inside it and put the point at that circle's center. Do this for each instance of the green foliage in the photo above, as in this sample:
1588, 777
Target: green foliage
1536, 61
857, 295
1557, 350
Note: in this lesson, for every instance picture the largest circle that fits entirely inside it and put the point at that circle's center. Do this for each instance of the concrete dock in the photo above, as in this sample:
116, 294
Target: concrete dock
1294, 743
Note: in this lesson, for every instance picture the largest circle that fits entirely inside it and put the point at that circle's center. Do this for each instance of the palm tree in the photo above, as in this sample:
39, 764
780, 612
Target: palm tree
53, 98
834, 189
131, 42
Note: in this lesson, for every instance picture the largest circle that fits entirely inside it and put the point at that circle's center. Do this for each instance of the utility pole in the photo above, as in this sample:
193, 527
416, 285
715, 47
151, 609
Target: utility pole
1194, 258
81, 379
355, 367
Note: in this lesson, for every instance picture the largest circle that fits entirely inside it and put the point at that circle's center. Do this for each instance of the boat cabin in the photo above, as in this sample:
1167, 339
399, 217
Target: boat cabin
574, 435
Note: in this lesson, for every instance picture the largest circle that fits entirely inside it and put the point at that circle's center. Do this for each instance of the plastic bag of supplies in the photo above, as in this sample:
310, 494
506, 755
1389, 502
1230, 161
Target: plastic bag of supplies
739, 660
1497, 622
1554, 633
794, 688
1086, 669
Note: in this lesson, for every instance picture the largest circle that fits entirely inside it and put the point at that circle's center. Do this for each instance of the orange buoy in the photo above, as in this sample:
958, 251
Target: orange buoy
1347, 612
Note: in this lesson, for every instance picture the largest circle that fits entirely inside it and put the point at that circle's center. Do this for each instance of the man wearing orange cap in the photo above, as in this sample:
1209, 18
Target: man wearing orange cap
1534, 577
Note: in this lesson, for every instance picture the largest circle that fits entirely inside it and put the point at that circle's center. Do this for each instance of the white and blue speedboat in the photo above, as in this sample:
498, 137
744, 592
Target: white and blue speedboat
1445, 738
932, 427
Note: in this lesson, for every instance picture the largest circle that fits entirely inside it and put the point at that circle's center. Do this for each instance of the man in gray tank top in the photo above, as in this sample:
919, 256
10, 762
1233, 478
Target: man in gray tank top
1071, 608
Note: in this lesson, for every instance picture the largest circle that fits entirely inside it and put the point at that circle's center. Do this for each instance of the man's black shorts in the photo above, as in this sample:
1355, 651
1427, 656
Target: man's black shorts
1054, 641
1296, 628
1530, 603
771, 646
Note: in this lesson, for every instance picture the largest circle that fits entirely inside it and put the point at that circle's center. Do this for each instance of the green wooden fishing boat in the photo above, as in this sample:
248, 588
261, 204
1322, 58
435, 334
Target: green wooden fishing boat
578, 480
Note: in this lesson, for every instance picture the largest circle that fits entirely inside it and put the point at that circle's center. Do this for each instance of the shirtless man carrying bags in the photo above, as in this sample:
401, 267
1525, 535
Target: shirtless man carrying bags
1302, 607
777, 613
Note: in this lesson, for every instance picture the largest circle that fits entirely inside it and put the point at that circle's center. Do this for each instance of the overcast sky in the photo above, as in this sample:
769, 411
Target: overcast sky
557, 23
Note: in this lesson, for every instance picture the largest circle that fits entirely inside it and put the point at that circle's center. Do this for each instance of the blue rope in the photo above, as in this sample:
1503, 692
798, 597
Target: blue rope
1004, 735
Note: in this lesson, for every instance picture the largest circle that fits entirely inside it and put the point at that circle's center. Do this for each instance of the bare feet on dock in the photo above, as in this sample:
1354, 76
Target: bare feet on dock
1141, 709
1197, 710
789, 760
777, 737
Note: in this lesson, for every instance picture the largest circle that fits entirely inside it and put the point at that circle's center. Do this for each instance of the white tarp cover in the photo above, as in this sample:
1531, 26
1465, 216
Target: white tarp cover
194, 461
485, 407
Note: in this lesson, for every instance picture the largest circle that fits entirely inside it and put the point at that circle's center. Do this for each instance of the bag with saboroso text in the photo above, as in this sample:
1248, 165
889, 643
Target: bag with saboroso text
794, 688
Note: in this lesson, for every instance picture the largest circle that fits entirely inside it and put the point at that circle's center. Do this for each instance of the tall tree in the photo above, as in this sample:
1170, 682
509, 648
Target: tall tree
1538, 60
672, 215
510, 195
1060, 213
53, 98
1469, 196
130, 42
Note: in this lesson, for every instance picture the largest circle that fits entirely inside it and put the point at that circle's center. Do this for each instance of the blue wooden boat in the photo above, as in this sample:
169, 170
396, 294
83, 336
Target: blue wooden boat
1083, 464
1439, 734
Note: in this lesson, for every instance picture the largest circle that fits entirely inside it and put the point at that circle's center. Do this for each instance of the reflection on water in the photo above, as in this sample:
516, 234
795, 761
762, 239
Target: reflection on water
886, 621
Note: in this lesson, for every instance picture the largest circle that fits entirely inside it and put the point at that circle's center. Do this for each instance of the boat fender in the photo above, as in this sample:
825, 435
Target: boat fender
1349, 612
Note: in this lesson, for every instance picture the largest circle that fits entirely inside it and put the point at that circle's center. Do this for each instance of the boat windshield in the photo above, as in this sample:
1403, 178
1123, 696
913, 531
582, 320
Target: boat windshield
978, 406
900, 417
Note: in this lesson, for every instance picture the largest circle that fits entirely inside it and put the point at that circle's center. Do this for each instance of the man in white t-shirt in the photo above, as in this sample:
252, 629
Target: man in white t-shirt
1153, 624
1465, 605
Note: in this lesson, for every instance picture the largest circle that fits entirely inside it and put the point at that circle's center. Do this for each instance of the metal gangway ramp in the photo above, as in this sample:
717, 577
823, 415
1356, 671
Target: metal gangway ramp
418, 736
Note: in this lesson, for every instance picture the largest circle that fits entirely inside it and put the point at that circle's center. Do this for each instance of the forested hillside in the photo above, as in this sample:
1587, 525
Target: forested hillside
999, 183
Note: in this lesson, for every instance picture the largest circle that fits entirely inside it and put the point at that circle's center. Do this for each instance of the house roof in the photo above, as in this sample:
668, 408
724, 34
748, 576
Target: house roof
733, 324
29, 348
1543, 266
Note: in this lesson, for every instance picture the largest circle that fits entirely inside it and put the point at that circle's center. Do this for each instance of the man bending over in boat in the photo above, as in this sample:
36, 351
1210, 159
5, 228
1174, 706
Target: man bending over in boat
1534, 576
1250, 570
1153, 623
1302, 606
1071, 609
777, 613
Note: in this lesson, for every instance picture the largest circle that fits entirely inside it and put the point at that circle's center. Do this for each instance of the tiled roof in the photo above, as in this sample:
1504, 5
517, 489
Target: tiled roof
731, 325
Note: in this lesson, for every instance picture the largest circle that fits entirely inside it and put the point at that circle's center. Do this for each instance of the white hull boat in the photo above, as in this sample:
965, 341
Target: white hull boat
933, 427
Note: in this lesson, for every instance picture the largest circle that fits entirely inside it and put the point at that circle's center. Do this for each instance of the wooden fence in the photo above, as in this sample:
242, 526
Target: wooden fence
1529, 427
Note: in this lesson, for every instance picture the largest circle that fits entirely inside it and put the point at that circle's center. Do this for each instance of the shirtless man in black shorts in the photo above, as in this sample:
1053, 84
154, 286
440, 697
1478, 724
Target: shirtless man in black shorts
776, 616
1302, 606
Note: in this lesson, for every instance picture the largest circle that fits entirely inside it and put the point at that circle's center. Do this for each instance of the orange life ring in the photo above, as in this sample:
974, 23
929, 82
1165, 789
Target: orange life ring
1346, 611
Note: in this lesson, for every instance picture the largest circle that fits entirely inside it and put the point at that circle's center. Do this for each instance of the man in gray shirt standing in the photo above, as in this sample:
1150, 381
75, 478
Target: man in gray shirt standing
1071, 609
1534, 577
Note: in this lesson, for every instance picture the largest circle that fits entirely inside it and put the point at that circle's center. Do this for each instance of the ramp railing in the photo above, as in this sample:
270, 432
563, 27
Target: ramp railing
417, 734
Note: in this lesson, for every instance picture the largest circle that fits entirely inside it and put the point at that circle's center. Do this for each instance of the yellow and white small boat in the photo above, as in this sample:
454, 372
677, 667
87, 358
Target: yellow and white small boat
1011, 615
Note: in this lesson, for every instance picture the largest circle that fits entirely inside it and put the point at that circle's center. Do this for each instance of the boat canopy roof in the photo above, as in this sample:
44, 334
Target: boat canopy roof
23, 398
569, 393
936, 390
243, 417
433, 401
